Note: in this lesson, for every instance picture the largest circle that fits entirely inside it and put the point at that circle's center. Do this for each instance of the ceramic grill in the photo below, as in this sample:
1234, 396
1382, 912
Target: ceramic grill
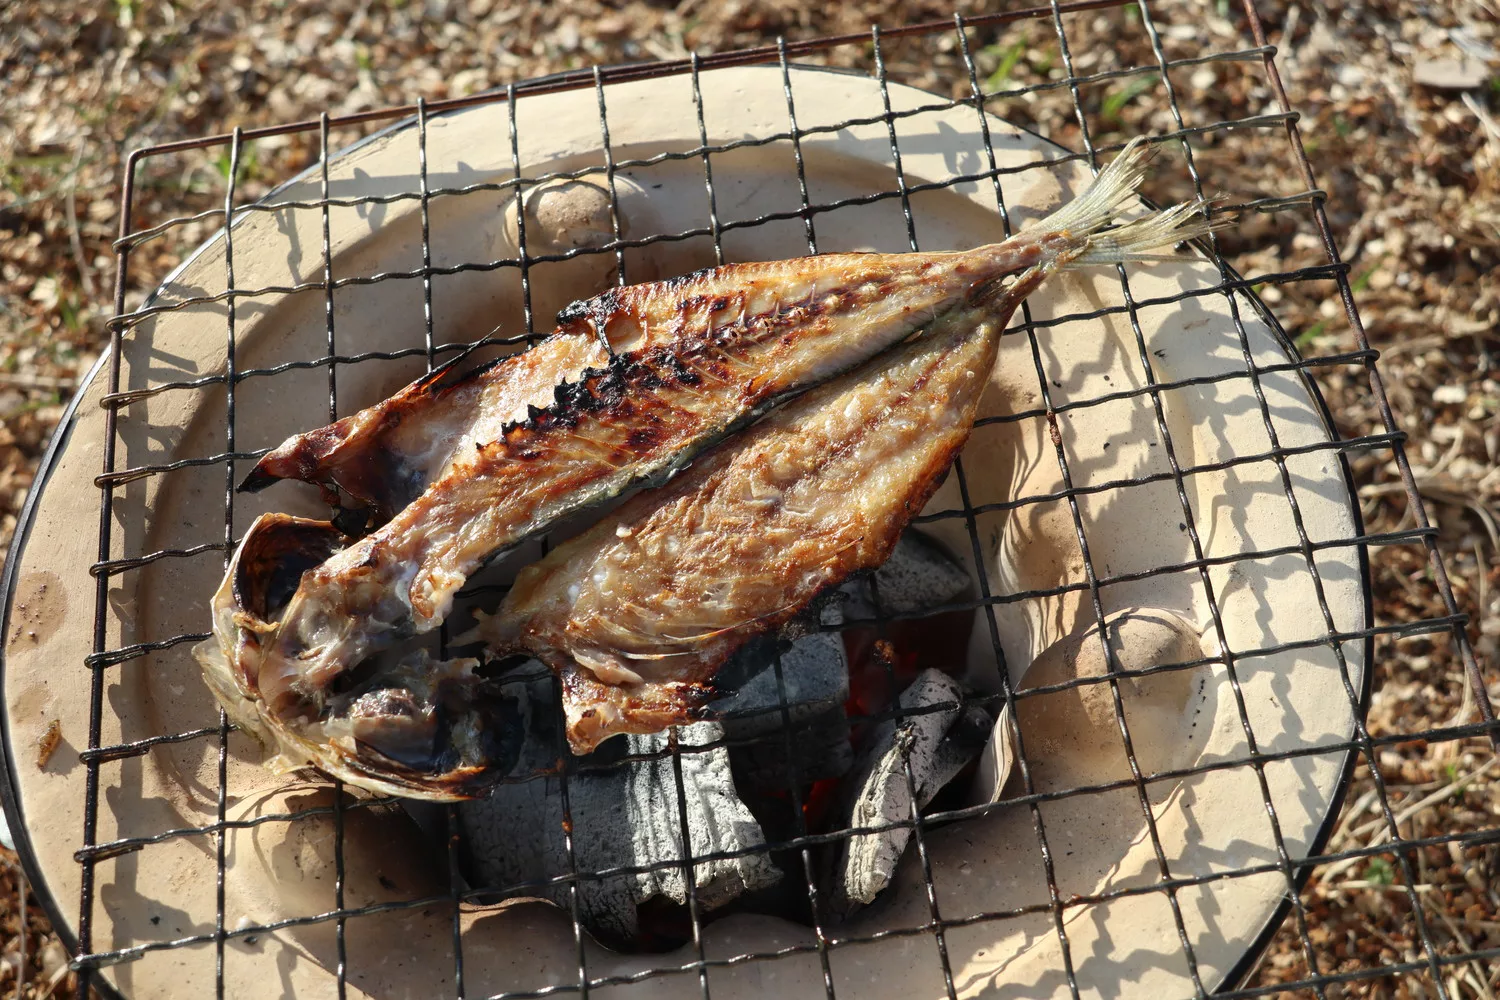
1154, 663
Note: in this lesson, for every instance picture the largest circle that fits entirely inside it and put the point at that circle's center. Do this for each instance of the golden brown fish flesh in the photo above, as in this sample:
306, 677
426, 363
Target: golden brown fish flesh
698, 358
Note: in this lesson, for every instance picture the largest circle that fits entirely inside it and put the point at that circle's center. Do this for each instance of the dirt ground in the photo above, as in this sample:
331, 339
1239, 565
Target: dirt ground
1400, 106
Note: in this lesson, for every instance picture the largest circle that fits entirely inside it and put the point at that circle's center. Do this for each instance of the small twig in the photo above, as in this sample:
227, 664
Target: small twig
1414, 346
1457, 785
32, 380
1355, 811
1442, 494
70, 208
57, 977
1466, 707
1360, 883
1483, 588
1454, 450
1488, 926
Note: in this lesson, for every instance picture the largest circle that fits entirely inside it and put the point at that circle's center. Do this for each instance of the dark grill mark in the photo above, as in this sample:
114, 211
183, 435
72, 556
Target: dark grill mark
670, 284
679, 371
602, 393
596, 310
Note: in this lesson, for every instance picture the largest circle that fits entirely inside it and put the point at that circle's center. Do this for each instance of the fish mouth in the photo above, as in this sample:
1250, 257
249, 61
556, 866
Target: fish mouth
402, 722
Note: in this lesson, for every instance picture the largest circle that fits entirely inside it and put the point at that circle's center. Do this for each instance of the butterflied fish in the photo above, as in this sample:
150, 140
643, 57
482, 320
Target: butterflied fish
713, 351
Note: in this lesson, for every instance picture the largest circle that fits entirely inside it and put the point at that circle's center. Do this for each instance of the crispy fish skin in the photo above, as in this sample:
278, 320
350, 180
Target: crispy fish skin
385, 455
638, 613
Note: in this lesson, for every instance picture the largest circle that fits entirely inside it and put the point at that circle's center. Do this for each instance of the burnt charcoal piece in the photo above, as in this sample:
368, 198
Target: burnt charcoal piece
919, 574
815, 679
718, 821
625, 814
939, 739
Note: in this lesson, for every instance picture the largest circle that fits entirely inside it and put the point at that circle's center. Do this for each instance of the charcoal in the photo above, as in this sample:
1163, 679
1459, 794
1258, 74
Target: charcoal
625, 814
919, 574
820, 750
815, 679
814, 672
717, 822
939, 743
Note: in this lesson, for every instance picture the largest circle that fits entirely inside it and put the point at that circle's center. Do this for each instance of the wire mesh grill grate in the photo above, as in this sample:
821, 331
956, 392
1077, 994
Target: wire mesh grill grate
1292, 868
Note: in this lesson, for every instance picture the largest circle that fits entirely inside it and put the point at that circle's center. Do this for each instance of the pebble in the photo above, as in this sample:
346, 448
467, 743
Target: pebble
1451, 74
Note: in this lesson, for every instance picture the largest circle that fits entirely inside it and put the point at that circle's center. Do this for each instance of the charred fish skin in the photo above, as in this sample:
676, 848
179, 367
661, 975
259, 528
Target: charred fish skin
384, 456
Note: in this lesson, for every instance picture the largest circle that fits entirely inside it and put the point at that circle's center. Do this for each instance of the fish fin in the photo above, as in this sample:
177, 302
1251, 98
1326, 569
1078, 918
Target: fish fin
259, 478
1087, 217
705, 636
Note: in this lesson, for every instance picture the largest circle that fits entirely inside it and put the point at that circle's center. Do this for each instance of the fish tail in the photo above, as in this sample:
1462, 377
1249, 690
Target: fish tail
1106, 196
1139, 239
1088, 219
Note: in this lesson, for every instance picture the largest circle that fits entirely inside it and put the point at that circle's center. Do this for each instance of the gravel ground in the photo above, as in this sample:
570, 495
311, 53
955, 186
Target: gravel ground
1399, 99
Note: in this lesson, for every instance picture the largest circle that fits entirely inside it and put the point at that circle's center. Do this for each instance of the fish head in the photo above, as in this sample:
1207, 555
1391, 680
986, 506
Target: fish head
405, 724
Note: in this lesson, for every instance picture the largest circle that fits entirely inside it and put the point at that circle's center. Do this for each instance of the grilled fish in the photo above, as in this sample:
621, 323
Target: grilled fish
704, 355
